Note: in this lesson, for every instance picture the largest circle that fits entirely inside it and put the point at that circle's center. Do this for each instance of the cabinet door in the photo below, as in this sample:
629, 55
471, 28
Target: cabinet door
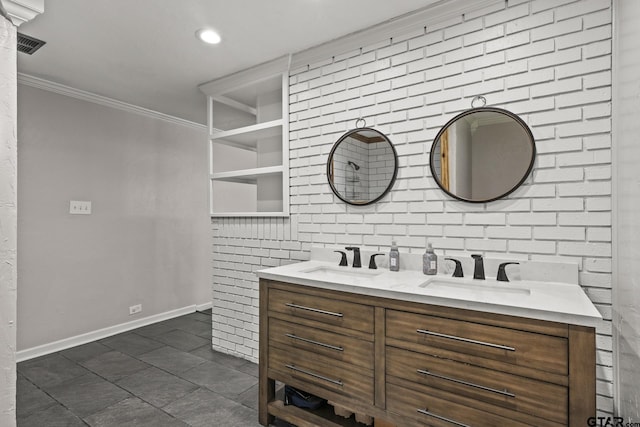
338, 347
495, 391
299, 367
458, 338
338, 315
430, 410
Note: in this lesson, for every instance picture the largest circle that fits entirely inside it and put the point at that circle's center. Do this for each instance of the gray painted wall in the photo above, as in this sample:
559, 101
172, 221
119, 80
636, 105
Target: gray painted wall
148, 237
627, 269
491, 147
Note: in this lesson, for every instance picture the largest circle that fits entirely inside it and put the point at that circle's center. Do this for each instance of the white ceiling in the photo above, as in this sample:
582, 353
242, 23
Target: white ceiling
144, 52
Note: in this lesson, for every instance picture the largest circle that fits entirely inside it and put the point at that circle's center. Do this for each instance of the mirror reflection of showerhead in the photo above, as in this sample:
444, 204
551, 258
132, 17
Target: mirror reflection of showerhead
353, 165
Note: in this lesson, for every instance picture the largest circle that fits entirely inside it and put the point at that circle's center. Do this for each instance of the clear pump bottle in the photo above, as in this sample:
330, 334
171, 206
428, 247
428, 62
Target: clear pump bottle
394, 257
430, 261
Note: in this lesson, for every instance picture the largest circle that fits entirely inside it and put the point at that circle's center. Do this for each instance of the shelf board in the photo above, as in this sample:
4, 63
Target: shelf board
248, 214
249, 94
247, 176
235, 104
248, 135
307, 417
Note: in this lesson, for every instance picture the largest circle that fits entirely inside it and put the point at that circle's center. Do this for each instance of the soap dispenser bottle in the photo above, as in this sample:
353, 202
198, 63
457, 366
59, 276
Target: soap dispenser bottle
394, 257
430, 261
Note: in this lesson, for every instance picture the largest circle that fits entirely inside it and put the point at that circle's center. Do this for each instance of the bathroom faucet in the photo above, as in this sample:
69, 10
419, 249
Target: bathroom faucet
502, 274
356, 256
478, 270
343, 258
458, 271
372, 261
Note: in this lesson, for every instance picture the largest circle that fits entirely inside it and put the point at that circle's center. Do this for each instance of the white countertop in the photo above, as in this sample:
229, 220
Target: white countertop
536, 299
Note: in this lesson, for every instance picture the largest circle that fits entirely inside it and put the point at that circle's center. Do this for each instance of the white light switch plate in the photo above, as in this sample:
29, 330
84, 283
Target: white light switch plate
79, 207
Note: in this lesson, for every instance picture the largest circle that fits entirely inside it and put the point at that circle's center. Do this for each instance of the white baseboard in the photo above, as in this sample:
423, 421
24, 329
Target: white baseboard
205, 306
66, 343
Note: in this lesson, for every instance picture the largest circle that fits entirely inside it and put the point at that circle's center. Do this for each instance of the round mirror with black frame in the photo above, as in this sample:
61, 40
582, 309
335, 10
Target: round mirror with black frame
362, 166
482, 154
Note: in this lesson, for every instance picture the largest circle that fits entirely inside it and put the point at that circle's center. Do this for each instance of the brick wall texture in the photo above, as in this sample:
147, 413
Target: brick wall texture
549, 61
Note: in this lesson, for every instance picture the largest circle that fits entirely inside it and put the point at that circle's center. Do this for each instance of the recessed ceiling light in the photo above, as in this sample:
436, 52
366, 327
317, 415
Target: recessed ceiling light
208, 35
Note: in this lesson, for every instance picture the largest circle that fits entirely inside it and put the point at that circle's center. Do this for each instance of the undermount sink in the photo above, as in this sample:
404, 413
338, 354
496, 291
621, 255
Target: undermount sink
476, 286
325, 272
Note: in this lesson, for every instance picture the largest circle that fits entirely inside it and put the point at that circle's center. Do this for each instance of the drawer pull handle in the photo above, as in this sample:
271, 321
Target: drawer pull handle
315, 310
313, 374
321, 344
481, 387
453, 337
431, 414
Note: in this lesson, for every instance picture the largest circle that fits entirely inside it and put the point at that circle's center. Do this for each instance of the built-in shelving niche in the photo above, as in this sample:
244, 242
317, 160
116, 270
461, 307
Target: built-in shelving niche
249, 142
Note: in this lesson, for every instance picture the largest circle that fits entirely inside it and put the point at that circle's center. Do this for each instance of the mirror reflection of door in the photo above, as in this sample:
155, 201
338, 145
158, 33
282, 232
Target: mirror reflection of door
482, 155
444, 158
362, 166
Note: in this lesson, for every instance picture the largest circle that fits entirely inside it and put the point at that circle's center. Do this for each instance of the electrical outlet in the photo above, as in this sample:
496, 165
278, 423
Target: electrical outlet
80, 207
135, 309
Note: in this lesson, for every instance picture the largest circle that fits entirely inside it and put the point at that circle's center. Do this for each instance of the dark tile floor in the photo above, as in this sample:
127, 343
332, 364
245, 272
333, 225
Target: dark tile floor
165, 374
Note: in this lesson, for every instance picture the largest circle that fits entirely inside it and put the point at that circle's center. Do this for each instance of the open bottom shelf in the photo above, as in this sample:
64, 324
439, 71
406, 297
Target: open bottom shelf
321, 417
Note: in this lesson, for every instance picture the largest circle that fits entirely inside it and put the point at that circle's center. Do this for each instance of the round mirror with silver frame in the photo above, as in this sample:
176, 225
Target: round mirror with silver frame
362, 166
482, 154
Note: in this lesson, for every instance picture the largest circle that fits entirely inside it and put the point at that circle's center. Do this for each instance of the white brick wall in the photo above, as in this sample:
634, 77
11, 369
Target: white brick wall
240, 247
547, 61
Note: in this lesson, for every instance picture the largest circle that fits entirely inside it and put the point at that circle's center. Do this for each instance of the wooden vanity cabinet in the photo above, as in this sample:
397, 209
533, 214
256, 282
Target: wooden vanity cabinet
418, 364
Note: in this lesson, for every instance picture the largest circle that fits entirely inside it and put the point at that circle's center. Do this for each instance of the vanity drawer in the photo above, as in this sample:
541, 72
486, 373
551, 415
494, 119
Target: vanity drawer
322, 371
541, 400
476, 343
330, 311
438, 411
335, 346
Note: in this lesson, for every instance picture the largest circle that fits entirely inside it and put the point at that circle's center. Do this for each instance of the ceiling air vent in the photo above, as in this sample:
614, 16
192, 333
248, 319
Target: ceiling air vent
28, 44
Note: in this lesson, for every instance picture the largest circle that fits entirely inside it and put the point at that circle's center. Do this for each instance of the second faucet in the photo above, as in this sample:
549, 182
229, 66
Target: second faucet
356, 256
478, 270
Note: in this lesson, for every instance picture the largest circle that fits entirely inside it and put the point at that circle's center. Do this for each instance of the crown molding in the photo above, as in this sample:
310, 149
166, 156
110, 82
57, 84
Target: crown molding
23, 11
242, 78
413, 21
58, 88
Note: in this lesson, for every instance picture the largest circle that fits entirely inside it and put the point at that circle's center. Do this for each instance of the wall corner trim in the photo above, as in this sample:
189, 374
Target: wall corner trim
23, 11
61, 89
205, 306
